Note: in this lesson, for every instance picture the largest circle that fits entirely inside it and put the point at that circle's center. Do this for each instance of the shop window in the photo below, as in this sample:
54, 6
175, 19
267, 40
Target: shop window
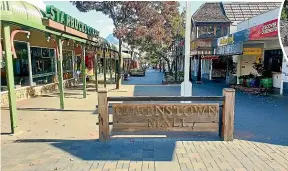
225, 31
67, 64
218, 31
20, 64
273, 60
43, 65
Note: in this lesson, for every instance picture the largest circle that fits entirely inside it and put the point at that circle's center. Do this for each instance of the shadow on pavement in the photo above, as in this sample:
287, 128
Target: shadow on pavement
133, 149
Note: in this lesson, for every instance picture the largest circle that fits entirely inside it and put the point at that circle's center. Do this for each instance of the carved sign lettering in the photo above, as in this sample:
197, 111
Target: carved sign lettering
163, 116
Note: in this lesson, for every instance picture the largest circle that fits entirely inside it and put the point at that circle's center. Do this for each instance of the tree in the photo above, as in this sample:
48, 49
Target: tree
114, 10
157, 39
148, 25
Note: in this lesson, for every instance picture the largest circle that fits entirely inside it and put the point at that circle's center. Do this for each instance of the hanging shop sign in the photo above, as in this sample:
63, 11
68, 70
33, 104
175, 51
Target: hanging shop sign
67, 20
252, 51
267, 29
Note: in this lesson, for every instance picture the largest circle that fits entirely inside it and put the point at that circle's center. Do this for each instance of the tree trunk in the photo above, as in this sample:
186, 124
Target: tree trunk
119, 65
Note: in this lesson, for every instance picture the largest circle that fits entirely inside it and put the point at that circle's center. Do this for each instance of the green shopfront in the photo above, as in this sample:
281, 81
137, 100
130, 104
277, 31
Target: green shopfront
39, 52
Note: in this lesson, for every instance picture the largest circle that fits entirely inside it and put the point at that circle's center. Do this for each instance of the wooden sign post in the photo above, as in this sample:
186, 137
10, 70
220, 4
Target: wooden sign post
227, 129
168, 117
103, 116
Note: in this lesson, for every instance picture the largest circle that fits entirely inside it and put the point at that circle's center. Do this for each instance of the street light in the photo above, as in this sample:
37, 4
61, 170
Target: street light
186, 86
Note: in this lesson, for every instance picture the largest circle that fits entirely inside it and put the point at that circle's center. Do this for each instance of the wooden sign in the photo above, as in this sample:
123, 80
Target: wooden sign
166, 117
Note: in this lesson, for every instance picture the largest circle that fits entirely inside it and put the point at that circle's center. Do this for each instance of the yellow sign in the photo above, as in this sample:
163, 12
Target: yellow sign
226, 40
252, 51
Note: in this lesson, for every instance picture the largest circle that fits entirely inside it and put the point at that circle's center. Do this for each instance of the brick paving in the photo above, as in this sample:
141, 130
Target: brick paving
51, 139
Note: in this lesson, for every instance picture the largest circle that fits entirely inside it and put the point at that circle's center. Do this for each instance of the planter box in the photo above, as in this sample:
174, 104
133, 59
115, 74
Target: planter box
266, 83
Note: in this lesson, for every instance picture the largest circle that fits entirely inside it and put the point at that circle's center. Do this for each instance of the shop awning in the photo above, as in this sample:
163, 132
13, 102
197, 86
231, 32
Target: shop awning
27, 15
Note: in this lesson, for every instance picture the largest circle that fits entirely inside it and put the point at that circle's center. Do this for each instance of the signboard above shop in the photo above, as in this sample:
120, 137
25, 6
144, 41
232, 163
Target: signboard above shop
268, 29
237, 37
61, 17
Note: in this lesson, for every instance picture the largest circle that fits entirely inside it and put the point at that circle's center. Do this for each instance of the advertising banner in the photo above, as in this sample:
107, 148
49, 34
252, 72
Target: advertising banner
267, 29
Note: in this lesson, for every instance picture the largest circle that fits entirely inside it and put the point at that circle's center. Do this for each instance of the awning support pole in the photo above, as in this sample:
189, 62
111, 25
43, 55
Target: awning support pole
10, 80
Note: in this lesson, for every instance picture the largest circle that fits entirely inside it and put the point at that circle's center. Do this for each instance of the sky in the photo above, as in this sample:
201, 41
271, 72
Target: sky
97, 20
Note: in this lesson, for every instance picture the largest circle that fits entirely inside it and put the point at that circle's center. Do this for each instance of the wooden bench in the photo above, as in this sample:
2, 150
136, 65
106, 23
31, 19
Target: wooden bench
185, 116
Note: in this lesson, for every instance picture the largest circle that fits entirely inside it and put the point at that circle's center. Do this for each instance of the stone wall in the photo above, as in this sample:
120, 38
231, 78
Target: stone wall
28, 92
284, 32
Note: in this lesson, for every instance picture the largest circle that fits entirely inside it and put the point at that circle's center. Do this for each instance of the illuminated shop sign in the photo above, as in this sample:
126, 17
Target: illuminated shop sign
67, 20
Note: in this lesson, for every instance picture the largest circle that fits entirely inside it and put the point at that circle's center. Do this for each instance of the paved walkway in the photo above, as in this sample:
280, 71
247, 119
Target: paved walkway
67, 140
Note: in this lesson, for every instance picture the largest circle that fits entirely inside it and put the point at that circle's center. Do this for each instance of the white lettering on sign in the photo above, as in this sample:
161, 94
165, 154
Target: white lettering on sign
269, 28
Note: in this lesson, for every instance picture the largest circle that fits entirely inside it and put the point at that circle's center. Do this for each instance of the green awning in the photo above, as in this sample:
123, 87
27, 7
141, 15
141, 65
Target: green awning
23, 14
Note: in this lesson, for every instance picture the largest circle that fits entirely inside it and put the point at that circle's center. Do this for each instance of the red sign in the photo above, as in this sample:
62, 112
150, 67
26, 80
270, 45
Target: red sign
267, 29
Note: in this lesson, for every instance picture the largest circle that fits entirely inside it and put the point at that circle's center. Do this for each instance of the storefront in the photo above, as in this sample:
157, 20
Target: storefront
228, 47
38, 52
254, 45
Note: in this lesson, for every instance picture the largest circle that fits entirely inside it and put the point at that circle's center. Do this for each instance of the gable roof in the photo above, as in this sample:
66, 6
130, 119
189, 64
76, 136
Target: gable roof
210, 12
240, 11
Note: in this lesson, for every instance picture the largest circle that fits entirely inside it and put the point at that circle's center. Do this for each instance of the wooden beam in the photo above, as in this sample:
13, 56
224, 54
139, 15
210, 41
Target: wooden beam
227, 130
10, 79
103, 115
168, 98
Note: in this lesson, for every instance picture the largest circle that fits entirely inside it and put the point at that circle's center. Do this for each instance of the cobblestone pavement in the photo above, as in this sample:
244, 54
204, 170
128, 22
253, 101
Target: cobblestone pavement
51, 139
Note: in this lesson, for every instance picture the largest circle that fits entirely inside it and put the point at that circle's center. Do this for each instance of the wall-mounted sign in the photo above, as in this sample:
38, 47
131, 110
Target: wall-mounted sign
67, 20
233, 49
252, 51
267, 29
237, 37
201, 43
226, 40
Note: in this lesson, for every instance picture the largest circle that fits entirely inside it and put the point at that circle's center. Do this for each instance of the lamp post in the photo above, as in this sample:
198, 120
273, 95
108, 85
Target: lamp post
186, 86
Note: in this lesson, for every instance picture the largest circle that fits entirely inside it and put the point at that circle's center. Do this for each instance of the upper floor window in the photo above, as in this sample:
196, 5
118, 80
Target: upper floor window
218, 31
205, 31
